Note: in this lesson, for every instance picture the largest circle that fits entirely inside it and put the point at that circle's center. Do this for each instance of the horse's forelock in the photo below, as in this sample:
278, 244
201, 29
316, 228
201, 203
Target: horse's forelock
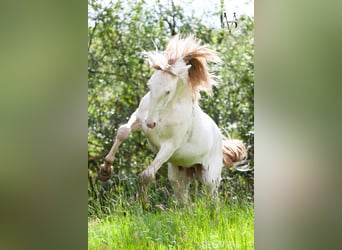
158, 61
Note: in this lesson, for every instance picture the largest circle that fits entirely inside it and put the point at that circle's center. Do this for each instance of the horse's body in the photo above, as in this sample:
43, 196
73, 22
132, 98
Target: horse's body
177, 129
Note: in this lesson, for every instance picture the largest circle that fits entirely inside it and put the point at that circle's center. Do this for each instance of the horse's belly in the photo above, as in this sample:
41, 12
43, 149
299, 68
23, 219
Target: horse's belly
186, 157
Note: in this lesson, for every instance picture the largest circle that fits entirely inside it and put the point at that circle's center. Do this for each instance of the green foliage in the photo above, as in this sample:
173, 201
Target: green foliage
118, 72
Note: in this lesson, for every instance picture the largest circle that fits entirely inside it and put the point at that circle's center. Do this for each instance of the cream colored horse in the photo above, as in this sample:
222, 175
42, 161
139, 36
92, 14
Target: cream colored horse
177, 129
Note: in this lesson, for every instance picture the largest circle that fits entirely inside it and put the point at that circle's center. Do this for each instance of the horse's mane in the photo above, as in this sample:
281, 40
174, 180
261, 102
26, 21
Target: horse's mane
193, 53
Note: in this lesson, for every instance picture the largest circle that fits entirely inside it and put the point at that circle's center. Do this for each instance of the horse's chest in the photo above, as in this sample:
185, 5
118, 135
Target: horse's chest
172, 126
158, 135
166, 131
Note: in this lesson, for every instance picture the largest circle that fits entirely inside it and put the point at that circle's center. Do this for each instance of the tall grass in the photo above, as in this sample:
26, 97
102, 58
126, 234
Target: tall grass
228, 227
118, 221
201, 226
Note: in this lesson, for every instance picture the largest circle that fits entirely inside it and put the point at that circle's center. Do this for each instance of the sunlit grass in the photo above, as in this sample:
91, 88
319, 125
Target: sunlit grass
204, 225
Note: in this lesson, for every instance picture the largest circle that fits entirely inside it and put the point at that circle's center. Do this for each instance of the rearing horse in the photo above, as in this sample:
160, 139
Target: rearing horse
177, 129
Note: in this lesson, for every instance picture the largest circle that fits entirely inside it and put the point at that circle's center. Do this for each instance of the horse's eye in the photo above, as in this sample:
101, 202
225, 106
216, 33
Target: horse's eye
168, 92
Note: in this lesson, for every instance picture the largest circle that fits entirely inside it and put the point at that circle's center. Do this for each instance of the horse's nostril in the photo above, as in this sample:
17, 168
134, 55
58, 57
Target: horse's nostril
151, 125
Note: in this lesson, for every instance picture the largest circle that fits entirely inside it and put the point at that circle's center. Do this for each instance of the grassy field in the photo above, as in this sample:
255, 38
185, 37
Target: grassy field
223, 225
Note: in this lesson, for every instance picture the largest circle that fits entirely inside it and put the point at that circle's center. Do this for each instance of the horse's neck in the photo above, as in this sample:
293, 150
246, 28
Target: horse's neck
183, 94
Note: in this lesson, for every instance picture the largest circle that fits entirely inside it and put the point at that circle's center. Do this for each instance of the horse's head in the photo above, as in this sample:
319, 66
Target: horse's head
183, 63
163, 87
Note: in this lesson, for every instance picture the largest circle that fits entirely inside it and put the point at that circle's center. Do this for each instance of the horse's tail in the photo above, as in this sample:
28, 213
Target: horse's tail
234, 153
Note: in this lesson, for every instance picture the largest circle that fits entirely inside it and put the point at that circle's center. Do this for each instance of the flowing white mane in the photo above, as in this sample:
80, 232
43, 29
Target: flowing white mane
191, 52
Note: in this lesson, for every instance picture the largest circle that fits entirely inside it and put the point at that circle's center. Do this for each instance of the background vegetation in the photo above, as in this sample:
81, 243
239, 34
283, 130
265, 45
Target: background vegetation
117, 76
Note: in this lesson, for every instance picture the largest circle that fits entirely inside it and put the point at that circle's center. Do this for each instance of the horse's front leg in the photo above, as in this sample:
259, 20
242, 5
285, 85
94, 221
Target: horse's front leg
133, 124
165, 152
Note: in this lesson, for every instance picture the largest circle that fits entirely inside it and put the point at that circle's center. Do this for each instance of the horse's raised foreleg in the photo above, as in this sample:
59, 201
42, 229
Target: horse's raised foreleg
106, 169
165, 152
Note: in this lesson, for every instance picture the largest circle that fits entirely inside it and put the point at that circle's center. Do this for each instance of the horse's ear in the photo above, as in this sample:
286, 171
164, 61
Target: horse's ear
179, 70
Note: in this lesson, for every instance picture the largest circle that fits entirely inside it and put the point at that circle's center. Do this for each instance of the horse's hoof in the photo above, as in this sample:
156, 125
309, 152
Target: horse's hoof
145, 178
104, 174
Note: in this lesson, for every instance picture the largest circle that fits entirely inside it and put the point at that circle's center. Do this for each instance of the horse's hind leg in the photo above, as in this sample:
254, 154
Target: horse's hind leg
133, 124
211, 178
180, 179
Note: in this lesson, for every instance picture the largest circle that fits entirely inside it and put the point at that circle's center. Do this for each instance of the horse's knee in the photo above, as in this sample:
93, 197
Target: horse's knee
123, 132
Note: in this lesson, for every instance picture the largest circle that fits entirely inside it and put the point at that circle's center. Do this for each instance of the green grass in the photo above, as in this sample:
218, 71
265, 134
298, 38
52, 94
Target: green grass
206, 225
